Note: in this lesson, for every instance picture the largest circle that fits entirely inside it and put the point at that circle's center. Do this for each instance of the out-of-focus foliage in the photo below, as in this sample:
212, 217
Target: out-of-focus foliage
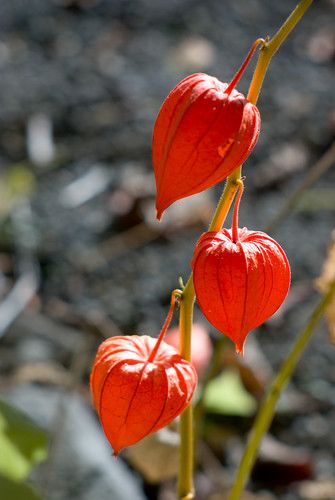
226, 395
13, 490
22, 445
18, 182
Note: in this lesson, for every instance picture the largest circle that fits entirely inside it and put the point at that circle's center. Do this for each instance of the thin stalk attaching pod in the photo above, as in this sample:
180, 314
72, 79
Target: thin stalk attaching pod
175, 295
245, 63
234, 228
225, 202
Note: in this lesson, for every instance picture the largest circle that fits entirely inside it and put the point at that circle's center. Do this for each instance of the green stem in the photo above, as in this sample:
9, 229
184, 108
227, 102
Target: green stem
227, 198
266, 411
185, 478
270, 48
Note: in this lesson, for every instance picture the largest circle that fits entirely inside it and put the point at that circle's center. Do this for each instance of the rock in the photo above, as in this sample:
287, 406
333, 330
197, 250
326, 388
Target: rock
192, 54
284, 161
317, 490
40, 144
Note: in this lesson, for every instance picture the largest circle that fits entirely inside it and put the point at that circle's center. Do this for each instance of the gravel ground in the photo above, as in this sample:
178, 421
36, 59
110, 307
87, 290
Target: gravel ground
82, 82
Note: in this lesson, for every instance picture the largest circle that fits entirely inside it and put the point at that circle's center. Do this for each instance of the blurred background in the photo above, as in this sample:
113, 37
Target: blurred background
82, 257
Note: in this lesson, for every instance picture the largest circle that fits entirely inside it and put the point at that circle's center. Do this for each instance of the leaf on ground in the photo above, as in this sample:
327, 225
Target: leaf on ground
226, 395
156, 456
21, 181
22, 443
323, 283
18, 183
12, 490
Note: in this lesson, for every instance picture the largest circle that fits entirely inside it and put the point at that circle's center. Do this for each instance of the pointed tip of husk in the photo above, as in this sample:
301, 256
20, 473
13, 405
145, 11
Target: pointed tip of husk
240, 348
159, 214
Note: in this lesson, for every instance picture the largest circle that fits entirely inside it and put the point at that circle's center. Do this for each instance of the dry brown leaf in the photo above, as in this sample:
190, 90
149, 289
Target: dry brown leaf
323, 283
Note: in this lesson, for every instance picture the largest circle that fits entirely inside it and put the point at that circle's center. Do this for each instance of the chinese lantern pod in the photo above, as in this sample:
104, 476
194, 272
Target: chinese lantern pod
134, 397
201, 134
239, 284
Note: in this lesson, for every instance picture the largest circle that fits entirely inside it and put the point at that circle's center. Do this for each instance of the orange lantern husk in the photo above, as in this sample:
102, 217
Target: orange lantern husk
139, 385
239, 282
134, 397
204, 130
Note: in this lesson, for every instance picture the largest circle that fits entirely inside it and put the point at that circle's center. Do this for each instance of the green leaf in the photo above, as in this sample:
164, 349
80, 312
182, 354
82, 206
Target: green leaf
11, 490
17, 183
226, 395
22, 443
21, 180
